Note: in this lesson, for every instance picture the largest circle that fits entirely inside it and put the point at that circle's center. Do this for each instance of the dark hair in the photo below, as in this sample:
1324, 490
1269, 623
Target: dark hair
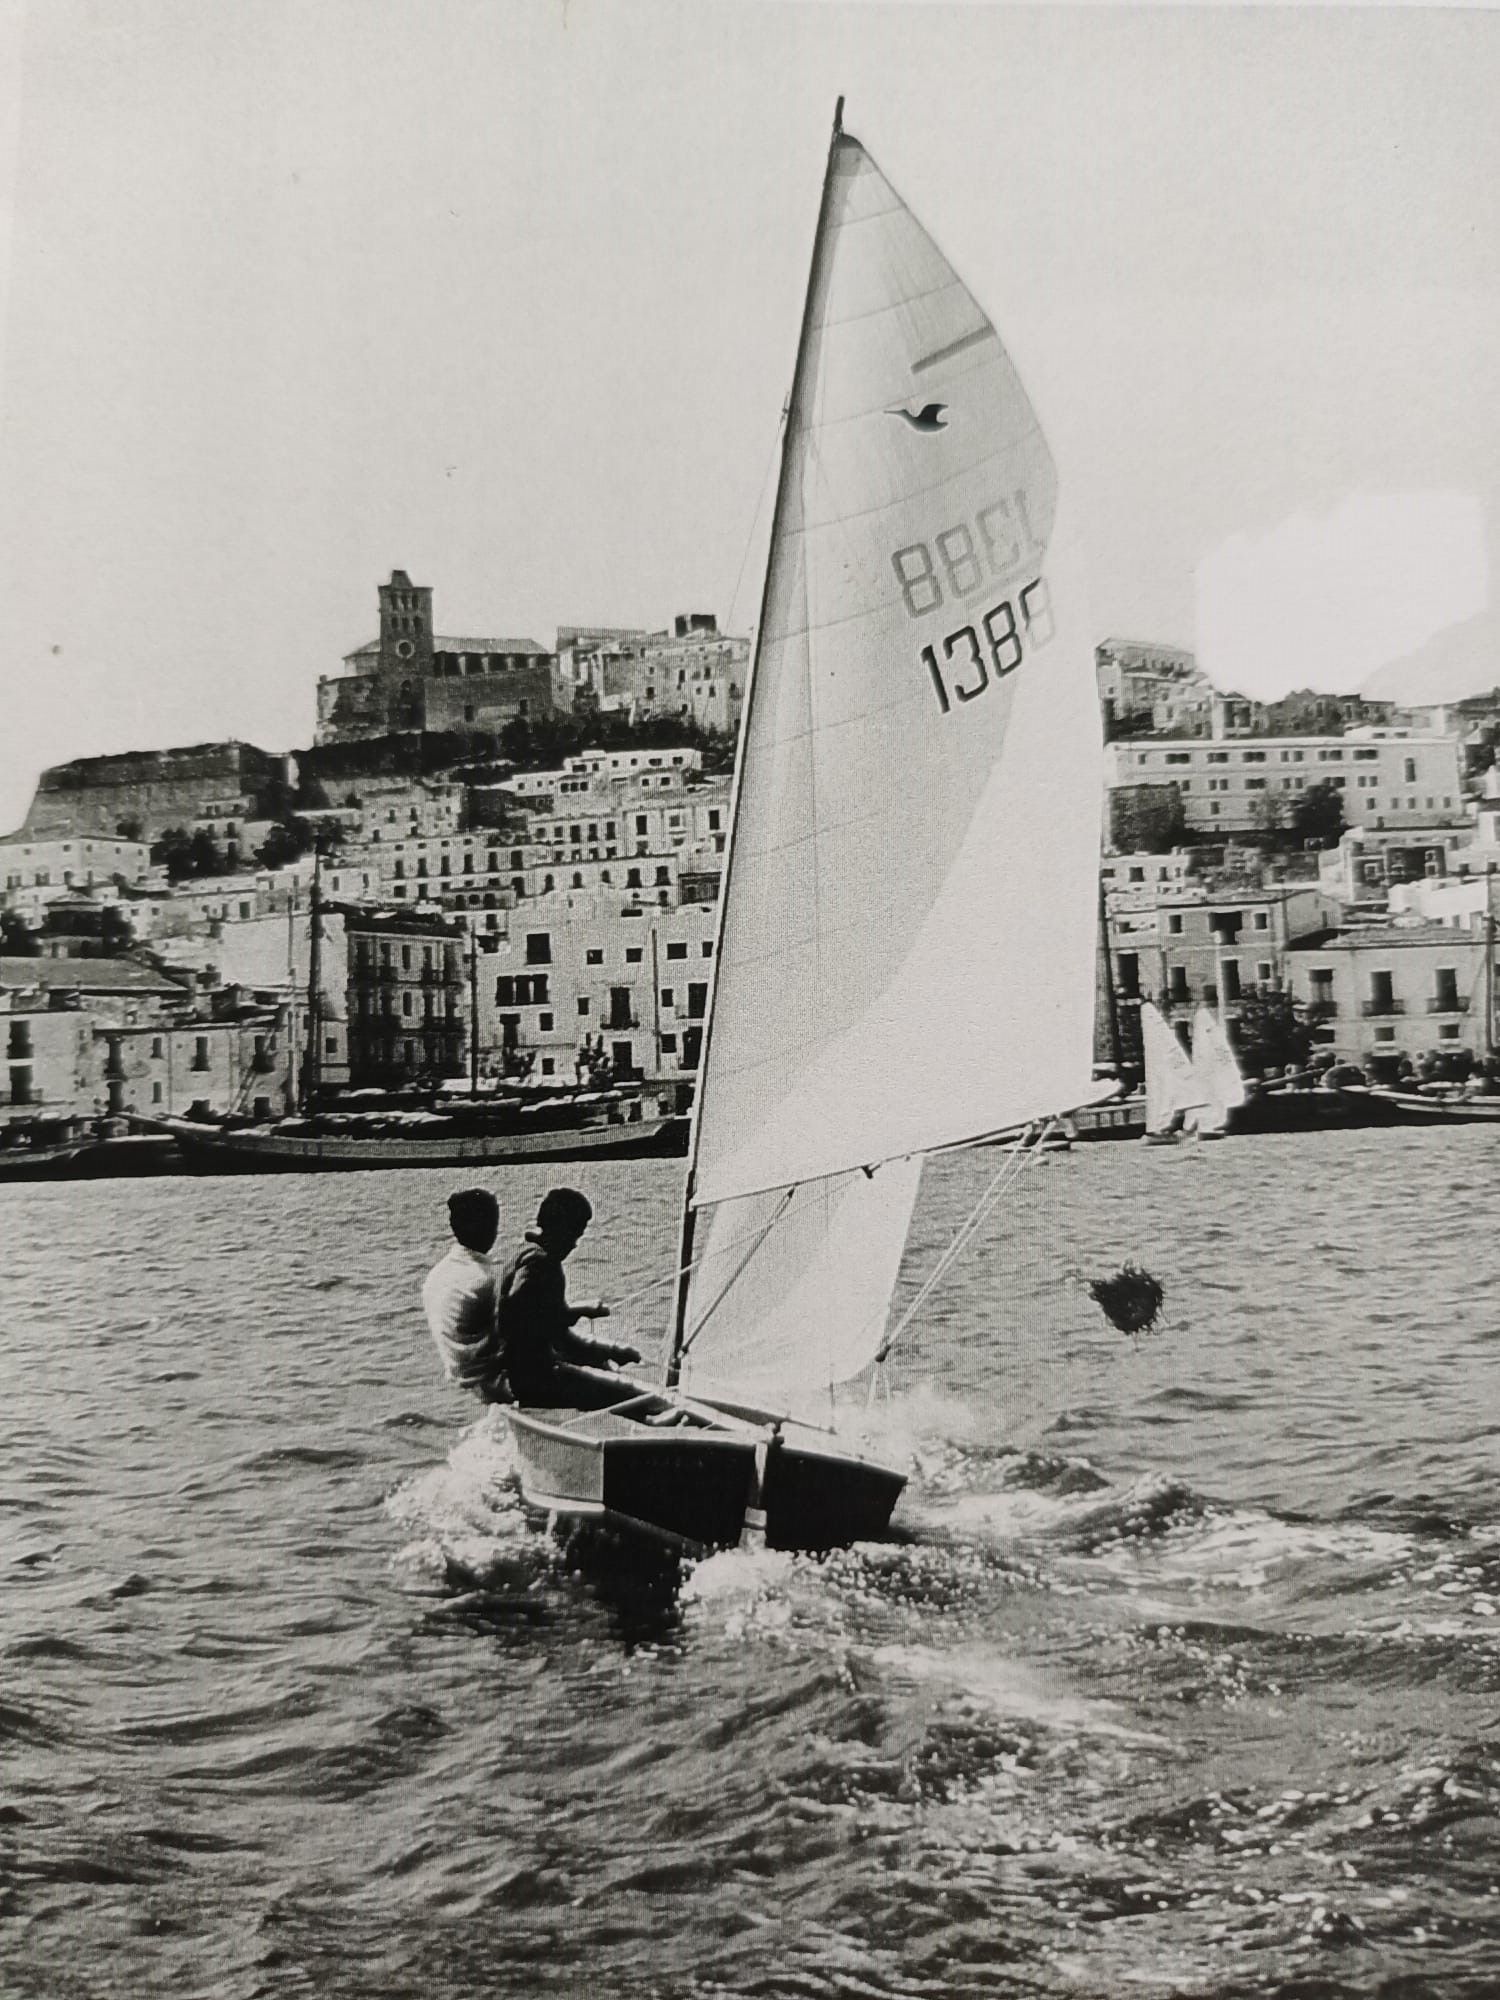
564, 1212
474, 1217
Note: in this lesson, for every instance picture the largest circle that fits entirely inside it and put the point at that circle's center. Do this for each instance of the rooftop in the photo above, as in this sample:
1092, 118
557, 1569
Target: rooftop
87, 975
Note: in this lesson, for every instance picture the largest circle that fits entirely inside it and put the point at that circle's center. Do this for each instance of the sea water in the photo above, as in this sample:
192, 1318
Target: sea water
1181, 1674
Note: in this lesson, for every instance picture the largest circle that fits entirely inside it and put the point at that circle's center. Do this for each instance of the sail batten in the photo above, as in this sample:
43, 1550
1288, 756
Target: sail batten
906, 941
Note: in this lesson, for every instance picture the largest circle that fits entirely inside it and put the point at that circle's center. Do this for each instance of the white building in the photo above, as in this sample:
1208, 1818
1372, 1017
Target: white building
632, 982
75, 861
1386, 780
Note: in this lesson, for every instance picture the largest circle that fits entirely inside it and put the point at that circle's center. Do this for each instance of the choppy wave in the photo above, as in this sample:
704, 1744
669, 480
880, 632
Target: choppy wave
1179, 1675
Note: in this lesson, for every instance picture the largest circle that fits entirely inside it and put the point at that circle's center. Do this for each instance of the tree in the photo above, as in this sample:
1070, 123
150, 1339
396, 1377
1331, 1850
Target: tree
16, 940
288, 840
1269, 813
1146, 819
1272, 1032
1318, 816
185, 855
130, 827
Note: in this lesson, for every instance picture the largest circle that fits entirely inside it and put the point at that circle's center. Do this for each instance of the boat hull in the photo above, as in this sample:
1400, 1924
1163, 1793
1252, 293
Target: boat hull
1404, 1107
689, 1485
209, 1150
42, 1163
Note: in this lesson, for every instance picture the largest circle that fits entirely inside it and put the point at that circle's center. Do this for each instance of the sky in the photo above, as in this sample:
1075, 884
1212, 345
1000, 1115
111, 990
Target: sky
296, 292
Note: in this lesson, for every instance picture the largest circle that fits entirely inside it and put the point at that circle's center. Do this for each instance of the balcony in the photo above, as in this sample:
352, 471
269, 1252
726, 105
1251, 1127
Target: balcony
1448, 1003
1376, 1009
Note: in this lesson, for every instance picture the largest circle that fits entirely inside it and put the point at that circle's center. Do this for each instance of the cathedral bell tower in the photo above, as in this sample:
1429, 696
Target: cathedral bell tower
405, 649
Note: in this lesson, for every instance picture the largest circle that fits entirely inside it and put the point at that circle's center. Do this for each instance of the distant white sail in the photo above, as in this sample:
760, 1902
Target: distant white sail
1217, 1073
1172, 1088
907, 932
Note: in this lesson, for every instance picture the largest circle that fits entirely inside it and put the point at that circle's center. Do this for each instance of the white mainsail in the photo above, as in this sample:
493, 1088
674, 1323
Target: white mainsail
1172, 1087
907, 934
1216, 1072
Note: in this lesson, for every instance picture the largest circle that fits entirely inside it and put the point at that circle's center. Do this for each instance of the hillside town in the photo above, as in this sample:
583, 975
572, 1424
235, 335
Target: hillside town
498, 863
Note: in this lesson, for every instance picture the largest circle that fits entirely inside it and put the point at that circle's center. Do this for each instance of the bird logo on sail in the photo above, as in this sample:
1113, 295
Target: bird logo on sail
929, 418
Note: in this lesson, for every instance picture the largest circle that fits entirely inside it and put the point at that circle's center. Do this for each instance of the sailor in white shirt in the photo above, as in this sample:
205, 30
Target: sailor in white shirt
459, 1298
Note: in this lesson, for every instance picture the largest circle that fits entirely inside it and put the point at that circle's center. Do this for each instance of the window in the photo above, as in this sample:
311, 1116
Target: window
1174, 924
539, 943
669, 1045
505, 993
1218, 756
1263, 972
593, 956
156, 1093
1385, 1034
1179, 757
156, 1048
1255, 784
583, 1003
1254, 756
663, 875
544, 1024
677, 951
1410, 777
708, 948
632, 954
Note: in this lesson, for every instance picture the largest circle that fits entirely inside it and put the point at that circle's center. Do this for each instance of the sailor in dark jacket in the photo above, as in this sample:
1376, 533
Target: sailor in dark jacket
535, 1321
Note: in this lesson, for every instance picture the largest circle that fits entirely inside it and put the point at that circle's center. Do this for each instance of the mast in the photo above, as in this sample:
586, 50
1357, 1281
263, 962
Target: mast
794, 408
313, 1069
291, 1000
473, 1014
1111, 1008
1489, 961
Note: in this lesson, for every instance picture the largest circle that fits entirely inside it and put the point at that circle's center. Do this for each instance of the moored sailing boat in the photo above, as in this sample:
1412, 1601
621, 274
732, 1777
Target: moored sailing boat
1173, 1089
1216, 1072
906, 929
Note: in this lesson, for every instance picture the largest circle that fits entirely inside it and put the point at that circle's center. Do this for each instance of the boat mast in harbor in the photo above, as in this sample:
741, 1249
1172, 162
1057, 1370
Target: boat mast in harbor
312, 1069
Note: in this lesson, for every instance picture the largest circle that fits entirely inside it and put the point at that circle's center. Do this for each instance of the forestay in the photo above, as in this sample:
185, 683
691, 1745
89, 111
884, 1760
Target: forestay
906, 950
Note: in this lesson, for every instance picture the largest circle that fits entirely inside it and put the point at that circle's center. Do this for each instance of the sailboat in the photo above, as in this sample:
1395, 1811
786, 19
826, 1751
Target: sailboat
498, 1129
1216, 1073
905, 951
1173, 1090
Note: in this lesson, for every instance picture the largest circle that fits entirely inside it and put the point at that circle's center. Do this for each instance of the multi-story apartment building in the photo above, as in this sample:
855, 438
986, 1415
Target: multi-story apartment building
1194, 943
619, 836
46, 1069
1397, 990
1386, 780
409, 996
694, 672
594, 987
71, 861
236, 1065
407, 809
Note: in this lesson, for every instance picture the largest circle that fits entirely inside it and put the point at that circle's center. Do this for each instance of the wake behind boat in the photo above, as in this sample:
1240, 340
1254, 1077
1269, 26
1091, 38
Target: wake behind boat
920, 723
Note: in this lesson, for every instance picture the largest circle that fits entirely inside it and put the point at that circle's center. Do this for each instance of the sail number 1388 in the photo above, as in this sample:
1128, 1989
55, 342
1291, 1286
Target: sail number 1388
997, 646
